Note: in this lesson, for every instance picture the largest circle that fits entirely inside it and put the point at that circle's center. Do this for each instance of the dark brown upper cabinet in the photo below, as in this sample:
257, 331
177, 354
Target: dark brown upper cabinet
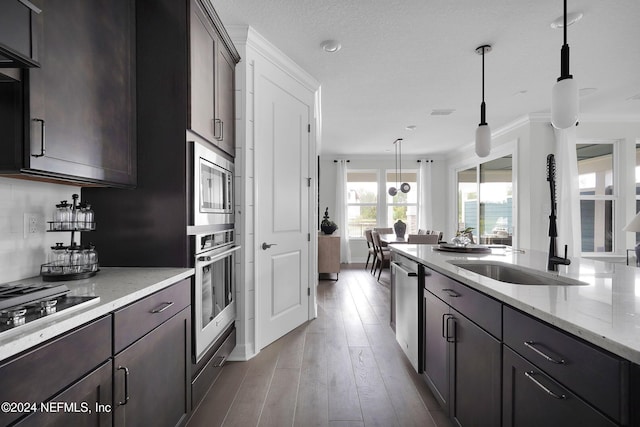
212, 71
17, 47
73, 119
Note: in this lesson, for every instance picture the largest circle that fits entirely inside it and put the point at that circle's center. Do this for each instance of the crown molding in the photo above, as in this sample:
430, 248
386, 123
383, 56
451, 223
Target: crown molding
244, 35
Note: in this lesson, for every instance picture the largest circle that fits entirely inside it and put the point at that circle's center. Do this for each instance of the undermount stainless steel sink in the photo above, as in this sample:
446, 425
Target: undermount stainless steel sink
515, 275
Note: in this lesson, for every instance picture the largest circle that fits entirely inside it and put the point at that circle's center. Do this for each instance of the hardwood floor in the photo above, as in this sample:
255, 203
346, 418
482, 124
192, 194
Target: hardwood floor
342, 369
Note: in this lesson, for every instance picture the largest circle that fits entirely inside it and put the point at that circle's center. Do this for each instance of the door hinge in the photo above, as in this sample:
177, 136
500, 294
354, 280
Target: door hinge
309, 128
308, 292
308, 237
308, 182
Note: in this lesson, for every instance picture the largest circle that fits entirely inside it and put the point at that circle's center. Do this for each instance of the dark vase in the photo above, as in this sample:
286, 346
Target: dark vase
400, 228
328, 229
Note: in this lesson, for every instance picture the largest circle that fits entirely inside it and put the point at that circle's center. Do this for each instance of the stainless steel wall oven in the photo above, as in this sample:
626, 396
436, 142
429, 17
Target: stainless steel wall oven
214, 289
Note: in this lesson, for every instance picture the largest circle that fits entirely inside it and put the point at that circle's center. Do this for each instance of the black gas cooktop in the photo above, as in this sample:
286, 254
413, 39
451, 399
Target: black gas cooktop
21, 304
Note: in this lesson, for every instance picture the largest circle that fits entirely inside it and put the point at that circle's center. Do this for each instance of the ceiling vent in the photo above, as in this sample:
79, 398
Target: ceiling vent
442, 112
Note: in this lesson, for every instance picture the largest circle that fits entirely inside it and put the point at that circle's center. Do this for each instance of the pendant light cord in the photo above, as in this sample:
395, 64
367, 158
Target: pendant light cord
564, 52
483, 107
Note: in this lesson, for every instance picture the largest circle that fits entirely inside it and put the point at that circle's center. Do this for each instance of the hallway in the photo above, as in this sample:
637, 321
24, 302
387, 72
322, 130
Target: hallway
342, 369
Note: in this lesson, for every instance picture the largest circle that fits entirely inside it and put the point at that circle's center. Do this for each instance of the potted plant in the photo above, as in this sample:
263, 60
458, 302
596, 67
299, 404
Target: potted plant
327, 226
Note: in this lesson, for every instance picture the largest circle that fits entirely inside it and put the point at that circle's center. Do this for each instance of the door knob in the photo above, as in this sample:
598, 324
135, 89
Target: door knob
266, 245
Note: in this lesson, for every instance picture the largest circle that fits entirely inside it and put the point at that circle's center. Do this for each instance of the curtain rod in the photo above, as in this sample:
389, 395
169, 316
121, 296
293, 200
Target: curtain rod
336, 161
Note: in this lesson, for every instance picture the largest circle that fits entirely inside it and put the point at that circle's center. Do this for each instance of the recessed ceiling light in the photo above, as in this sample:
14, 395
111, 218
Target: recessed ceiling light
587, 91
411, 127
572, 18
442, 111
330, 46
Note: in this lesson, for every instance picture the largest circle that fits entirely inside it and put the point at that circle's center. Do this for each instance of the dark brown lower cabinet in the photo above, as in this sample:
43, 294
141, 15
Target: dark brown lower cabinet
87, 403
152, 376
462, 365
532, 398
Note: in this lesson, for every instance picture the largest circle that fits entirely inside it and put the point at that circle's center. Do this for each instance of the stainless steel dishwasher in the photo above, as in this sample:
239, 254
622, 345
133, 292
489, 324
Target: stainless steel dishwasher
404, 276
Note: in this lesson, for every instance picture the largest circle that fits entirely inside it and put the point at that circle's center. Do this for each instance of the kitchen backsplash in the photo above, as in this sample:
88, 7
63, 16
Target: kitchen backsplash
25, 208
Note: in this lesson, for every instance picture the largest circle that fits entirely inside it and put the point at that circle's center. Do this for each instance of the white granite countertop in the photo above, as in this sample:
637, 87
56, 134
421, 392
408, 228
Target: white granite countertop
606, 312
116, 288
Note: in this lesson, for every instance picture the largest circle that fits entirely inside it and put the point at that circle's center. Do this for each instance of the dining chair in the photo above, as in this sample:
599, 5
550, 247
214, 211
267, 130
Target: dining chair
383, 230
438, 233
371, 249
383, 255
422, 231
428, 239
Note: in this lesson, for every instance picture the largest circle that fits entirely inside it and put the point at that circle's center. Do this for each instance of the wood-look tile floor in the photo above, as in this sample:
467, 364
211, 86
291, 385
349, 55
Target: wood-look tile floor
343, 368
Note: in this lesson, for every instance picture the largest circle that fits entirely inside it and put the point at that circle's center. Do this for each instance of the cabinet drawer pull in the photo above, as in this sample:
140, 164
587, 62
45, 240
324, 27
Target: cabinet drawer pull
126, 385
451, 293
451, 338
539, 384
42, 138
162, 307
219, 361
531, 344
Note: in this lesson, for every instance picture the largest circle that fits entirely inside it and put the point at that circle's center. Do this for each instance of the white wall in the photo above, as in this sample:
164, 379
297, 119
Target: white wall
20, 256
381, 164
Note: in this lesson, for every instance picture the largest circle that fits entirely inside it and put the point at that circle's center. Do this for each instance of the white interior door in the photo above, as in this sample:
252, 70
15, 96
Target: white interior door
282, 142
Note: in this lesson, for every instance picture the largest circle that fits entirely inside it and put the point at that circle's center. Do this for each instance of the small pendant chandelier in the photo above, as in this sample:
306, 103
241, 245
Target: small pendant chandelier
483, 132
404, 187
564, 96
394, 190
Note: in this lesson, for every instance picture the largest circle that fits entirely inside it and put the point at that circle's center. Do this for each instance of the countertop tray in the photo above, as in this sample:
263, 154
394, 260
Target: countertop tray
469, 249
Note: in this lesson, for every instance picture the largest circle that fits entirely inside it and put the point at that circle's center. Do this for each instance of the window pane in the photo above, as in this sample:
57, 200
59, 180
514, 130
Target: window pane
361, 218
467, 199
362, 188
597, 225
595, 169
407, 213
496, 201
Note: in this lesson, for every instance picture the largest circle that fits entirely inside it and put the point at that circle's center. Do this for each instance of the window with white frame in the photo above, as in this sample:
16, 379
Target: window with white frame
485, 201
403, 206
362, 201
598, 195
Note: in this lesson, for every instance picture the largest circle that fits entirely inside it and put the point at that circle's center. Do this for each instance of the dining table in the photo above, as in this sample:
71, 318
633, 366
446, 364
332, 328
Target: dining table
386, 239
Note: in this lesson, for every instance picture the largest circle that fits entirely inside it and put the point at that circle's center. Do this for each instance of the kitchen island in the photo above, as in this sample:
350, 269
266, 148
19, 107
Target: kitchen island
564, 354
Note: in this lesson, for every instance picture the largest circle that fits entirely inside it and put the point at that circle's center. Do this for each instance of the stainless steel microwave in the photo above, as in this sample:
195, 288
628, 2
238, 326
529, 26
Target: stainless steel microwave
213, 202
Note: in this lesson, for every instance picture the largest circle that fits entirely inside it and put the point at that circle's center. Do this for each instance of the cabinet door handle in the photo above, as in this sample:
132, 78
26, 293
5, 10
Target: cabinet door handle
449, 337
126, 385
162, 307
445, 327
217, 122
531, 344
542, 386
451, 293
42, 138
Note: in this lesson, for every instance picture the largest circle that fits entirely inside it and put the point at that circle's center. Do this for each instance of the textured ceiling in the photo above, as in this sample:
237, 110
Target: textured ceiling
400, 59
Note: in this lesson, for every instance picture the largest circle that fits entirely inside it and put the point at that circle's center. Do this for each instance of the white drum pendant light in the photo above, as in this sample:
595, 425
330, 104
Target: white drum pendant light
564, 96
483, 133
